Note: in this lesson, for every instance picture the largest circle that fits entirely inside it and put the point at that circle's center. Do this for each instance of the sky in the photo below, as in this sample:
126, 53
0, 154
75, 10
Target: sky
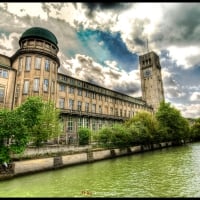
101, 43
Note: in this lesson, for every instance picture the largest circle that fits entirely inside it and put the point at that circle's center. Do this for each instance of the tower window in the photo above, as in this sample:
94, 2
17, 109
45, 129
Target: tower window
45, 85
47, 65
26, 87
28, 63
37, 62
36, 84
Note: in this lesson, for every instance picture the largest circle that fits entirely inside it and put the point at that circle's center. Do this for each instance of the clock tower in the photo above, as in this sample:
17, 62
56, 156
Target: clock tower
151, 79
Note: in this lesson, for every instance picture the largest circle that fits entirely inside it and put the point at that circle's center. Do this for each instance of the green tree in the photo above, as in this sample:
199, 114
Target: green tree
48, 125
84, 135
41, 119
173, 125
144, 128
195, 130
103, 136
13, 134
120, 137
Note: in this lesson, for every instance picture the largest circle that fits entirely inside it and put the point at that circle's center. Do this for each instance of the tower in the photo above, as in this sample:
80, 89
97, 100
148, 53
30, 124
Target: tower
36, 63
151, 79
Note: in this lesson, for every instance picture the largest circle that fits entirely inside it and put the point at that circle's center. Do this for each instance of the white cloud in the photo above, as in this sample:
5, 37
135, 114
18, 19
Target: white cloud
6, 43
85, 68
23, 9
182, 54
188, 110
195, 96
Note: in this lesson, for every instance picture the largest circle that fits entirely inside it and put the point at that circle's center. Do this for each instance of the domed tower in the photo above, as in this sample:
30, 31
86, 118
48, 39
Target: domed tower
37, 65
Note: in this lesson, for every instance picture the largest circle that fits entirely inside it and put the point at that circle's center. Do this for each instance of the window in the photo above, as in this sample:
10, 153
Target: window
79, 92
37, 62
124, 113
61, 87
100, 109
80, 122
26, 87
120, 112
94, 108
2, 94
71, 104
45, 85
71, 90
47, 65
61, 102
70, 124
87, 93
36, 84
28, 63
116, 112
86, 107
79, 105
20, 64
3, 73
111, 111
86, 122
93, 95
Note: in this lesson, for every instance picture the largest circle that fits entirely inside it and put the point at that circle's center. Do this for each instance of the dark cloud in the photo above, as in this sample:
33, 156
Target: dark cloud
181, 26
127, 88
105, 6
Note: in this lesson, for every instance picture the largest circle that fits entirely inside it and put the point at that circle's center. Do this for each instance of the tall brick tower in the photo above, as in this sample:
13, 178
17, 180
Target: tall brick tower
151, 79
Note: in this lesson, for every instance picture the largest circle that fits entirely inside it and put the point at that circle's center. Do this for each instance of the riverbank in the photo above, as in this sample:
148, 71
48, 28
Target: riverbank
50, 158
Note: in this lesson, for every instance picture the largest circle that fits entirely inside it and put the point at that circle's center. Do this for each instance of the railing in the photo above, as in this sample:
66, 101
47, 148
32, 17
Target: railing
91, 114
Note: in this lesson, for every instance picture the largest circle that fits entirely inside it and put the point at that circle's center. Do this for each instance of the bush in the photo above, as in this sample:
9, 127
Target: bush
84, 135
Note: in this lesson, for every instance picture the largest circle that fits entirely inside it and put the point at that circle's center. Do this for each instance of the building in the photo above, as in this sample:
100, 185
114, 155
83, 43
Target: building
151, 79
34, 71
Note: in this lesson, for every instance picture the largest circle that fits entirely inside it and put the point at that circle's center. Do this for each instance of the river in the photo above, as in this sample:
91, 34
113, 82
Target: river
168, 172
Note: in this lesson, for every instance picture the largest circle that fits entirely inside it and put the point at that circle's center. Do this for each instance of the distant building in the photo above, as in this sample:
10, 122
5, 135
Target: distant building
33, 71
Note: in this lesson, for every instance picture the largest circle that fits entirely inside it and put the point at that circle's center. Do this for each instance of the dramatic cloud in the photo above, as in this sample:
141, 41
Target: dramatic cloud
101, 42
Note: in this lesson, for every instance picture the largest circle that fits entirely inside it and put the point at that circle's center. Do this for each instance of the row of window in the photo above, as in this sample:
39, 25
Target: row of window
95, 124
38, 61
38, 43
113, 111
93, 95
36, 85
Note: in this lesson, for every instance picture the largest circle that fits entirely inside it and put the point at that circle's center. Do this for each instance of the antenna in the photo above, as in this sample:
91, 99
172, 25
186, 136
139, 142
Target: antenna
147, 46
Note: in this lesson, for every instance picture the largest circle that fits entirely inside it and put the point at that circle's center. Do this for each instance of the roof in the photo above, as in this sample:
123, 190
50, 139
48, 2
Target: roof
41, 33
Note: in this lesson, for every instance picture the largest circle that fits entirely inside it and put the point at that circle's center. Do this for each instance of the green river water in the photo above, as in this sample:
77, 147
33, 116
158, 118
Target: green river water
169, 172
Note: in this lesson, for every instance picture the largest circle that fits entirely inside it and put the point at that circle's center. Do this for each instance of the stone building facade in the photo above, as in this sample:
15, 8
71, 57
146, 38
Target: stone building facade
33, 71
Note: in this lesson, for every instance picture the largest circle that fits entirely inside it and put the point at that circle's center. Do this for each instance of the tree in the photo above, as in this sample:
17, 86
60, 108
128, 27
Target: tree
84, 135
41, 119
144, 127
13, 134
173, 125
195, 130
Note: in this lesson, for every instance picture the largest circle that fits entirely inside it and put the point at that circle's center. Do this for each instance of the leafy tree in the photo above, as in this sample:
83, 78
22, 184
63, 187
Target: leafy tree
120, 137
104, 136
13, 134
195, 130
84, 135
173, 125
41, 119
48, 125
144, 127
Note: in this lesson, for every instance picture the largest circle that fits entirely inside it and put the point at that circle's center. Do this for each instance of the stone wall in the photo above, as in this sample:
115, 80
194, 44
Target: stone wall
85, 155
